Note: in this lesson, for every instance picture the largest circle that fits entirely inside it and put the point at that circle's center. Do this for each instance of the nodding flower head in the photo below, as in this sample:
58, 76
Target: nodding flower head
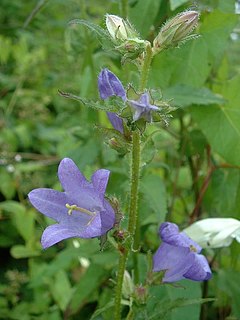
179, 256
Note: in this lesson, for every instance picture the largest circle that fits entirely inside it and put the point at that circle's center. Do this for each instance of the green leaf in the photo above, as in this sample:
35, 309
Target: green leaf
21, 252
174, 4
187, 65
228, 282
7, 185
22, 219
215, 31
176, 302
112, 104
144, 21
148, 151
88, 283
61, 289
184, 96
154, 193
168, 306
102, 35
222, 197
221, 124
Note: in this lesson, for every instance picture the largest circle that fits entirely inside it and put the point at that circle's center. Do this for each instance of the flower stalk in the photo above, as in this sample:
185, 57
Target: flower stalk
133, 205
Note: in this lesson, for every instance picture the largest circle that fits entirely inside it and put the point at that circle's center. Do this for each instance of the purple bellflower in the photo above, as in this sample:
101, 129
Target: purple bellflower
109, 85
142, 108
179, 256
80, 211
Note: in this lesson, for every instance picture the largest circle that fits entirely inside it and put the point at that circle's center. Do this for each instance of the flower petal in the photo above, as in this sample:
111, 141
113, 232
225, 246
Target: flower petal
102, 223
169, 233
107, 217
56, 233
79, 191
100, 180
213, 232
109, 85
144, 99
199, 270
50, 202
116, 121
176, 260
70, 176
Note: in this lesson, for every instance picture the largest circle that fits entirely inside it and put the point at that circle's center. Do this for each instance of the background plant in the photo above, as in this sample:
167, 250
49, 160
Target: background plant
194, 169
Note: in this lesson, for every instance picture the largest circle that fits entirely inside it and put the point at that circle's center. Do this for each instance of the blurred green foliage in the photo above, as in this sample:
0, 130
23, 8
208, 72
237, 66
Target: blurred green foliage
196, 157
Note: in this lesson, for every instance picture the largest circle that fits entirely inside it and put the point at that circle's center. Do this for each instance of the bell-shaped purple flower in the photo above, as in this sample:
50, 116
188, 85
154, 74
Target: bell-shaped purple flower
142, 108
109, 85
80, 211
179, 256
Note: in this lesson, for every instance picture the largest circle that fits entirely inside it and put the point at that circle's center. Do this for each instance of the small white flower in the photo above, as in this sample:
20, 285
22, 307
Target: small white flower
214, 232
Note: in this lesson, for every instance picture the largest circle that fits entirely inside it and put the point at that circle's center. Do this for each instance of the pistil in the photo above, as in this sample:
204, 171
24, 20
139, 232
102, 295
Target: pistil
73, 207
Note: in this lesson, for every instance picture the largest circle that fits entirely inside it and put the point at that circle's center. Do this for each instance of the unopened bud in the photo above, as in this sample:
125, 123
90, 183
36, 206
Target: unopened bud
125, 37
119, 28
140, 294
119, 145
128, 286
176, 30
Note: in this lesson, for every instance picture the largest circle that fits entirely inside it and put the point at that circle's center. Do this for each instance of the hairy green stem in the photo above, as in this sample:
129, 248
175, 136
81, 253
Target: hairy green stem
143, 82
118, 293
135, 171
133, 222
146, 67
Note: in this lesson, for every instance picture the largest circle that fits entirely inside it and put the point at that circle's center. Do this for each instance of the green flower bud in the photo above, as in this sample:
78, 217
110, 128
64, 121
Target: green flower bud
125, 37
176, 30
120, 29
128, 286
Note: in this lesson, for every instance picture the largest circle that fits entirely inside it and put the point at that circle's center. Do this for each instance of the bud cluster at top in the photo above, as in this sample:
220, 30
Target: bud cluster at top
172, 34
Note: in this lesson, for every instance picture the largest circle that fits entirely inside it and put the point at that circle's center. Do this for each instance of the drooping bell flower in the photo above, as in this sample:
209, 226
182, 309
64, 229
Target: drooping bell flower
179, 256
109, 85
81, 210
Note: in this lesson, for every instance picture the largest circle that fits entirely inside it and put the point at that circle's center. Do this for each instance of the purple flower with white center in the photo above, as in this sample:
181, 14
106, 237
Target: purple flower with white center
179, 256
80, 211
109, 85
142, 108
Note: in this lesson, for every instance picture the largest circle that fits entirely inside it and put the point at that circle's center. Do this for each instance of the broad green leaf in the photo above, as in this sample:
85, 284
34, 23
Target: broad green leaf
167, 307
176, 303
142, 15
154, 193
148, 151
184, 96
215, 31
228, 282
61, 289
222, 197
22, 219
88, 283
174, 4
187, 65
221, 124
227, 6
